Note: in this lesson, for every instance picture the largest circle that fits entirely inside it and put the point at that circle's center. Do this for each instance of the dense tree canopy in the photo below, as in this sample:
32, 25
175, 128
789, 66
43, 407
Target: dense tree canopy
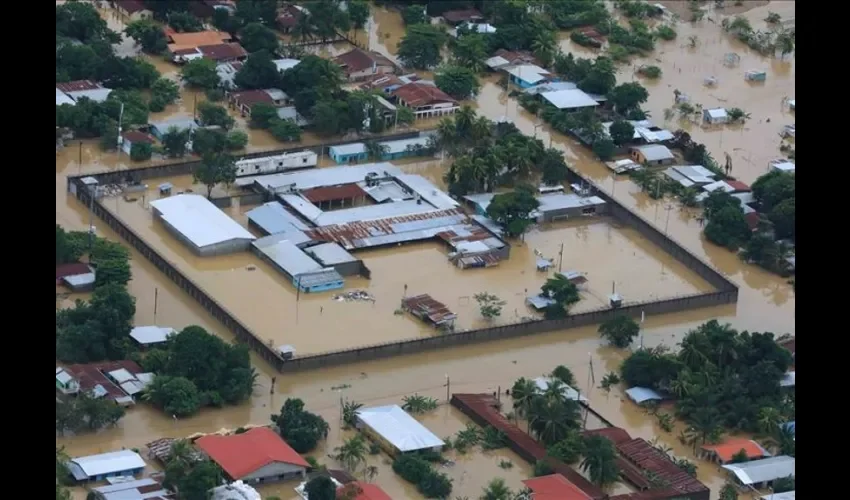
421, 45
298, 427
86, 412
96, 330
201, 73
255, 37
81, 21
214, 169
619, 331
417, 470
563, 292
258, 72
457, 81
512, 211
726, 223
148, 34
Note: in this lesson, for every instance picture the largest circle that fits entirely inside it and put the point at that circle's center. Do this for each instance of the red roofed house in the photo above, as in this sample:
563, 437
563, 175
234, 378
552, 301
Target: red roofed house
752, 219
244, 100
425, 100
738, 186
223, 52
555, 487
259, 455
455, 17
357, 64
362, 491
134, 9
724, 452
287, 18
131, 137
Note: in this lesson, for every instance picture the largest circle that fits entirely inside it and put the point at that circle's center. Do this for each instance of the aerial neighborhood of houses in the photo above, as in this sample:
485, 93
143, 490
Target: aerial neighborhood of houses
262, 200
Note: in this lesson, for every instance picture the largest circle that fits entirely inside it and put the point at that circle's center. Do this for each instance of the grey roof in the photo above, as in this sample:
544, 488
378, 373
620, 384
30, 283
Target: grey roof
274, 218
530, 73
561, 201
199, 221
428, 191
767, 469
385, 103
129, 490
789, 379
96, 95
482, 199
496, 62
318, 177
323, 277
569, 99
373, 212
696, 173
676, 176
642, 394
718, 185
410, 231
285, 64
79, 280
179, 123
488, 224
716, 113
386, 191
62, 376
290, 113
62, 98
354, 148
550, 87
539, 301
655, 152
331, 254
787, 495
303, 206
106, 463
287, 255
151, 334
401, 145
398, 428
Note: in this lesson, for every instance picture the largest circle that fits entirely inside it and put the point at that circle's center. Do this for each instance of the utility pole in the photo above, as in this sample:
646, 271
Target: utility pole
669, 208
561, 257
297, 299
448, 388
80, 161
155, 301
120, 138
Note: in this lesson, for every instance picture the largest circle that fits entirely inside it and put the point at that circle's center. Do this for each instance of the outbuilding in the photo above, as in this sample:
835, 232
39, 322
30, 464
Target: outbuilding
348, 153
653, 155
715, 116
570, 99
99, 467
258, 455
561, 206
300, 269
396, 431
333, 255
159, 129
151, 335
727, 451
201, 226
759, 474
641, 395
131, 137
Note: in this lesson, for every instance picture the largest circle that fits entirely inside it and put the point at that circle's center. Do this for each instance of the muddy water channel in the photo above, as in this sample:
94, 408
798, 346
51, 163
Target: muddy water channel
766, 302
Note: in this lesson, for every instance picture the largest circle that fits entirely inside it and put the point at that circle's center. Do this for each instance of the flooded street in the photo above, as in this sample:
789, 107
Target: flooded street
605, 253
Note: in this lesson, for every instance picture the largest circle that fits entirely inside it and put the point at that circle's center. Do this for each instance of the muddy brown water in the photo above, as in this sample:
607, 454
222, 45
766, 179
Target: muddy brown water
766, 302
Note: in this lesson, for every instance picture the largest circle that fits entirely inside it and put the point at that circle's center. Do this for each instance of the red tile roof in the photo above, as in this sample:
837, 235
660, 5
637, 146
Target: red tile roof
381, 82
517, 56
90, 375
334, 193
731, 447
555, 487
242, 454
73, 269
365, 491
131, 6
78, 85
250, 97
136, 136
459, 16
752, 219
419, 94
356, 60
222, 51
738, 186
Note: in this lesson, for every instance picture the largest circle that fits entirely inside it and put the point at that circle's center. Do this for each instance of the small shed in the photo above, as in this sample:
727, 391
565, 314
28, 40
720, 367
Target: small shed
755, 75
134, 137
641, 395
715, 116
348, 153
429, 310
151, 335
653, 155
396, 431
106, 465
622, 166
65, 382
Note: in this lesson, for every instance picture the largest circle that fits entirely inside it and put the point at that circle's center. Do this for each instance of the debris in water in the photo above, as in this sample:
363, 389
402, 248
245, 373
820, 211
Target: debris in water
251, 267
354, 295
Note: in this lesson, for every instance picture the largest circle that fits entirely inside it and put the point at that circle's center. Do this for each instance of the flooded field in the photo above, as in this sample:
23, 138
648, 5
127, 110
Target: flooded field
766, 302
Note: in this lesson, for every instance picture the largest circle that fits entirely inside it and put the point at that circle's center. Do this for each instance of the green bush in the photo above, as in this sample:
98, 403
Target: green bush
430, 483
141, 151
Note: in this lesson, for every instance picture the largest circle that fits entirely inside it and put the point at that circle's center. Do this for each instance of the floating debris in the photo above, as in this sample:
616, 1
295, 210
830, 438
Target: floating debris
354, 296
251, 267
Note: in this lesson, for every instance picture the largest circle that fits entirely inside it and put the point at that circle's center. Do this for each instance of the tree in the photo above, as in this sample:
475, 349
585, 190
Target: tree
619, 331
552, 416
457, 81
773, 188
174, 142
418, 471
728, 228
375, 150
320, 488
141, 151
512, 211
236, 140
489, 305
543, 47
258, 72
421, 45
470, 51
352, 453
553, 167
600, 460
414, 14
201, 73
148, 34
255, 37
729, 492
761, 249
210, 114
262, 115
563, 292
112, 271
163, 93
496, 489
604, 149
67, 249
622, 132
522, 393
215, 169
209, 141
358, 11
563, 374
628, 96
784, 219
417, 404
653, 368
783, 484
176, 396
81, 21
285, 130
183, 22
569, 449
349, 412
298, 427
201, 478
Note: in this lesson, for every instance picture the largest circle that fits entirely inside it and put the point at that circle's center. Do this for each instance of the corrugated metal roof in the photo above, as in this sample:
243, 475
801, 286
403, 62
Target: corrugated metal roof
543, 383
643, 394
317, 177
530, 73
398, 428
151, 334
386, 191
107, 463
373, 212
331, 254
759, 471
539, 301
401, 145
303, 207
714, 186
199, 221
274, 218
428, 191
696, 174
62, 98
180, 124
655, 152
569, 99
354, 148
287, 255
562, 201
96, 95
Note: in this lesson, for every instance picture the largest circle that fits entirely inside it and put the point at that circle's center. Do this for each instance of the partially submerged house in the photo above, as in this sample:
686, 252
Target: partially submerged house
71, 92
147, 336
183, 47
554, 487
426, 101
458, 16
141, 489
302, 270
760, 474
527, 75
358, 64
200, 225
569, 99
652, 155
715, 116
258, 455
121, 463
504, 58
396, 431
180, 124
134, 10
731, 449
77, 276
641, 395
119, 381
429, 310
65, 382
132, 137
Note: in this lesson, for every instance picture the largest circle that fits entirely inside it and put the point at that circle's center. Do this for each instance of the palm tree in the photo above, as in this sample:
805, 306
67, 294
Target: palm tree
349, 411
523, 392
447, 136
785, 43
563, 373
599, 461
769, 420
418, 404
552, 420
303, 29
181, 452
543, 49
705, 423
352, 453
554, 392
375, 150
464, 119
496, 489
783, 441
729, 492
370, 473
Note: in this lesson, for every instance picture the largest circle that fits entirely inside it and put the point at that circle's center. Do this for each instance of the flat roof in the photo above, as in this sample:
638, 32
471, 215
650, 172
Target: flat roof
199, 221
273, 218
96, 95
716, 112
428, 191
331, 254
178, 123
569, 99
496, 62
287, 255
354, 148
530, 73
767, 469
318, 177
401, 145
398, 428
151, 334
561, 201
373, 212
106, 463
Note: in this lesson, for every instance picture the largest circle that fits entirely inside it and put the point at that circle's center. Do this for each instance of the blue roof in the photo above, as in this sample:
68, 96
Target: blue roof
791, 426
642, 394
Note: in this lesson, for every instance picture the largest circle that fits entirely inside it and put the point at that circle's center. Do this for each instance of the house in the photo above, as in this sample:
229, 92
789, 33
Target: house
348, 153
77, 276
151, 335
159, 129
184, 46
258, 455
358, 490
715, 116
691, 175
65, 382
276, 163
147, 488
199, 224
640, 395
135, 10
78, 89
131, 137
244, 100
236, 490
561, 206
730, 449
358, 64
63, 98
652, 155
118, 381
474, 28
223, 52
569, 99
396, 431
527, 75
456, 17
503, 58
759, 474
554, 487
287, 18
425, 100
99, 467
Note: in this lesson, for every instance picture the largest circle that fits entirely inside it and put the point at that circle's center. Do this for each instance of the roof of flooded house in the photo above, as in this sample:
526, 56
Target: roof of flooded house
482, 409
286, 63
470, 239
96, 95
728, 449
131, 6
72, 269
563, 201
643, 394
648, 458
318, 177
416, 94
614, 434
136, 136
356, 60
251, 97
222, 51
92, 377
543, 383
398, 428
241, 454
753, 219
480, 28
198, 220
151, 334
78, 85
180, 123
353, 148
182, 41
334, 193
147, 489
105, 463
382, 81
555, 487
331, 254
362, 491
427, 307
790, 344
655, 152
460, 15
789, 379
286, 254
401, 145
530, 73
766, 469
569, 99
63, 98
274, 218
738, 186
716, 112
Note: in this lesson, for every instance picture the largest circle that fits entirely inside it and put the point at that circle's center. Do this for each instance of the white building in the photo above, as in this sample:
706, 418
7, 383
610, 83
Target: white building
236, 490
570, 99
716, 116
543, 383
782, 165
105, 465
149, 335
277, 163
396, 431
201, 226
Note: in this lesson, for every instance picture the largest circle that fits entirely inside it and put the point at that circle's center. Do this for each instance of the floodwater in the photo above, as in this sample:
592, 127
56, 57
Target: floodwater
766, 302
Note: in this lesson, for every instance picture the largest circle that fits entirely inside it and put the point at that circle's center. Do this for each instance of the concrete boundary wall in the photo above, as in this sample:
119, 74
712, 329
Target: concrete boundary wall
727, 294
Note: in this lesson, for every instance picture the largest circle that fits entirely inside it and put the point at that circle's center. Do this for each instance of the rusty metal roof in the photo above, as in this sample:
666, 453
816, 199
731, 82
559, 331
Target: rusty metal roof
642, 454
424, 306
334, 193
363, 234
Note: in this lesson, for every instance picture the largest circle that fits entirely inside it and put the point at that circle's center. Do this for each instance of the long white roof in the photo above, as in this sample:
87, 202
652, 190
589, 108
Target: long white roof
106, 463
319, 177
197, 219
569, 99
398, 428
767, 469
